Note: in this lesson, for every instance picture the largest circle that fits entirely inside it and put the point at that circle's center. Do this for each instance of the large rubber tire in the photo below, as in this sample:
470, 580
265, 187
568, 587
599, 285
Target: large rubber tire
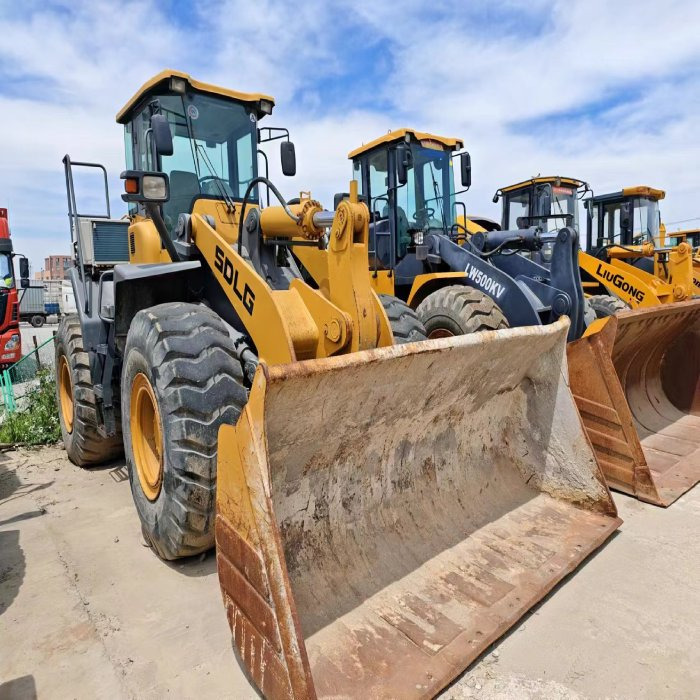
37, 321
589, 314
84, 444
458, 310
606, 305
186, 354
404, 322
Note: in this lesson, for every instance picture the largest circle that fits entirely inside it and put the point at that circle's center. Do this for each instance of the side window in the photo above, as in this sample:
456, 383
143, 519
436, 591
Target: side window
406, 197
357, 175
518, 204
594, 220
244, 157
611, 224
379, 182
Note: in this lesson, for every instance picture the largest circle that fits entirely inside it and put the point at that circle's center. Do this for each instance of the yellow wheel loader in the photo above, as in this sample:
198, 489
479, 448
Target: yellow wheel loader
635, 376
384, 512
418, 249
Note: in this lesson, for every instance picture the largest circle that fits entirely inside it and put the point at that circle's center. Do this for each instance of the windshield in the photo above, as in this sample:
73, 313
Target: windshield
646, 221
214, 149
7, 277
559, 205
426, 199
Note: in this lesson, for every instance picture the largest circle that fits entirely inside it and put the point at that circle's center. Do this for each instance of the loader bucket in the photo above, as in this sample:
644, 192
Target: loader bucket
384, 516
637, 387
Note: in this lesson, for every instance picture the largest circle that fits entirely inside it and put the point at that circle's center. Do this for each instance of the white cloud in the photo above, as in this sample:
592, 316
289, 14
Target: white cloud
485, 72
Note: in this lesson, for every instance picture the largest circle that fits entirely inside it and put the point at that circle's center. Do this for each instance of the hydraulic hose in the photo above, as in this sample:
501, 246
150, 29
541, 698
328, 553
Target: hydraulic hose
246, 198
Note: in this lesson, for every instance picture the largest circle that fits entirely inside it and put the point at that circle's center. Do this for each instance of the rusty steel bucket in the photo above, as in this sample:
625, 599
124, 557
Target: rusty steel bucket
383, 517
637, 386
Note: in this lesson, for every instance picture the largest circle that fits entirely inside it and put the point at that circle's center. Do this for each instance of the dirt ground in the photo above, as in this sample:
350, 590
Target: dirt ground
87, 610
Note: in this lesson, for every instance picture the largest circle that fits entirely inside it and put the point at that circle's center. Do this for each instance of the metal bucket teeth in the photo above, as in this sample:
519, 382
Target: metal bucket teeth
383, 517
637, 386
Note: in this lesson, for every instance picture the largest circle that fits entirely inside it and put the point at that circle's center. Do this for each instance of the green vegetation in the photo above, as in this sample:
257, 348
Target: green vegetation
37, 423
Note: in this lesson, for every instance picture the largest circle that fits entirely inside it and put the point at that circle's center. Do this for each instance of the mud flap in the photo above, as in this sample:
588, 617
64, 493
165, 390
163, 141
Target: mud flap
385, 516
637, 386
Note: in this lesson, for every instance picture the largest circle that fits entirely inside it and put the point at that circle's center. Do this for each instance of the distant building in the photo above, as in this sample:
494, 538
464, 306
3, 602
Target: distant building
55, 268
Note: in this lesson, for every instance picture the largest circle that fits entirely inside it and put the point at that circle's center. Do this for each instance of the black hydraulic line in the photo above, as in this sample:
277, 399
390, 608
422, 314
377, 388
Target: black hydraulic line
246, 199
153, 211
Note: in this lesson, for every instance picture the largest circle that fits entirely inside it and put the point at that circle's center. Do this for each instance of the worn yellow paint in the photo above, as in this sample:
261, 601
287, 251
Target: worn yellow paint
382, 281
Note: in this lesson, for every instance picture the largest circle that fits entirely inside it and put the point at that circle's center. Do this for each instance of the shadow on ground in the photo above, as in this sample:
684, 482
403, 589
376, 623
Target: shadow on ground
22, 688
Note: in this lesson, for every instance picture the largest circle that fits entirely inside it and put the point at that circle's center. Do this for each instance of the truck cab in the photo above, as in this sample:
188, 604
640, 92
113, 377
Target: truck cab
10, 339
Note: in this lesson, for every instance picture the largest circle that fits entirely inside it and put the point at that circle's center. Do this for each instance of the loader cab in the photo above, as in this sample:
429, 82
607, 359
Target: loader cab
628, 217
548, 203
210, 153
406, 179
691, 236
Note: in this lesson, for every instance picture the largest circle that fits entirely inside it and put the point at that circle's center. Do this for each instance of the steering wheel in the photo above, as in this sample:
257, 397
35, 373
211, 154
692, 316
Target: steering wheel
424, 214
211, 190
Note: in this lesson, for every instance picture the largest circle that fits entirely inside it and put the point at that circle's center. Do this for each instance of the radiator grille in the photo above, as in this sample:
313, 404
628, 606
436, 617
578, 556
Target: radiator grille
109, 239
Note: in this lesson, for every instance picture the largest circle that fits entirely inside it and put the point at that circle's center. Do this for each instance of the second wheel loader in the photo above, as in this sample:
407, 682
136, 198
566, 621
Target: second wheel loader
635, 374
383, 512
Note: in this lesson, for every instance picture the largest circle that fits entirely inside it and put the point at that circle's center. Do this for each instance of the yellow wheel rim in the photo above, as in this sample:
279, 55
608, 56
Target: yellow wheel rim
65, 393
146, 437
440, 333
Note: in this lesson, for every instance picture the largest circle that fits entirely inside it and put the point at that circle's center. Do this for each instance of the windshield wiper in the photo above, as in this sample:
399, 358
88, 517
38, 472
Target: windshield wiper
436, 192
219, 182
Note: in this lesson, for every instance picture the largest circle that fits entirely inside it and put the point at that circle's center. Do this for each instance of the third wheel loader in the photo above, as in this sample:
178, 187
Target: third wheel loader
635, 374
383, 512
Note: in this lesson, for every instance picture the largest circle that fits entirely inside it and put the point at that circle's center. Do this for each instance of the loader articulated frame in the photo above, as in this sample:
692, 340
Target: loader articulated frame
418, 246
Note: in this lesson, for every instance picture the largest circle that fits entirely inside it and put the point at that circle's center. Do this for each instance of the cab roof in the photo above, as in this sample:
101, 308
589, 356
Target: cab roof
161, 83
643, 191
552, 179
637, 191
400, 135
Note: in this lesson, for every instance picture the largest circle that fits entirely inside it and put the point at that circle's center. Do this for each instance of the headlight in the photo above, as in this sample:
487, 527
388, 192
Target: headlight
178, 85
266, 106
418, 238
547, 250
154, 187
12, 343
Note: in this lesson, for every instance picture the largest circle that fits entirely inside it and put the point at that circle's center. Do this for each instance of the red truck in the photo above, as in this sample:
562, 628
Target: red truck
10, 338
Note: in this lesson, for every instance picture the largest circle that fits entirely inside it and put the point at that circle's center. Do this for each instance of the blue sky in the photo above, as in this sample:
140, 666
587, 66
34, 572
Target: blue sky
608, 92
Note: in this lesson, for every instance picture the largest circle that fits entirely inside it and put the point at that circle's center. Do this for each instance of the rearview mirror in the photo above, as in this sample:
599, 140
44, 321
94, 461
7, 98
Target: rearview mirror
465, 162
402, 163
162, 138
24, 272
289, 158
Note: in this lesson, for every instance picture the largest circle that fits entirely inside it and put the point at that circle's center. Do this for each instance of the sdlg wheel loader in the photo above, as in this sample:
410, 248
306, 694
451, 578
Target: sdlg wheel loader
383, 512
